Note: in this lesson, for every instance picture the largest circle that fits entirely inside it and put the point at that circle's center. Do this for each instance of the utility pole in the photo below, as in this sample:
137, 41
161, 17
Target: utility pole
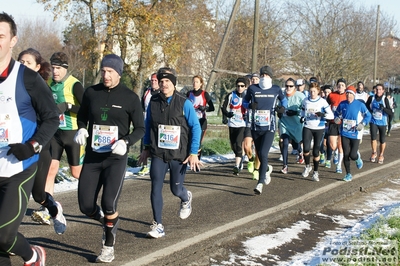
376, 47
223, 45
255, 36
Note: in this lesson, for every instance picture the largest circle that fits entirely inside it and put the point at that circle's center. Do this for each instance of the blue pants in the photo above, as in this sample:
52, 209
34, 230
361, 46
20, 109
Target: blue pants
158, 170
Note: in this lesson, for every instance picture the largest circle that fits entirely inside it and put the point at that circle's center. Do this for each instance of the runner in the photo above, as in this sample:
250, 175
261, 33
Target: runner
352, 115
262, 101
108, 110
236, 114
290, 127
202, 103
150, 91
26, 98
172, 139
379, 106
315, 111
32, 59
335, 142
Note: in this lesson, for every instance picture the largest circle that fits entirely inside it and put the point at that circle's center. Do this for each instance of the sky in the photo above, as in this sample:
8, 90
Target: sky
29, 9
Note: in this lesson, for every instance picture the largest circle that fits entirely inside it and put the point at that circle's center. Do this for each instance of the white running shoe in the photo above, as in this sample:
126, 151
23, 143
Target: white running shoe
41, 256
186, 207
157, 230
268, 175
315, 176
41, 216
60, 223
258, 189
307, 170
106, 255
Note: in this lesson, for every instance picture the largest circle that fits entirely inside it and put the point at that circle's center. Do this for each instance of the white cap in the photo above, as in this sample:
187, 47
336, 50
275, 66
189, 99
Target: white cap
299, 82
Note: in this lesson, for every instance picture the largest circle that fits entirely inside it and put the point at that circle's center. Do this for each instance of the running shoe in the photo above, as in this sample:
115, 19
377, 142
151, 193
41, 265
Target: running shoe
144, 171
268, 175
315, 176
250, 166
339, 170
322, 158
281, 158
256, 174
60, 223
307, 170
157, 230
388, 134
328, 164
236, 170
106, 255
300, 158
258, 189
41, 216
359, 162
348, 177
380, 159
335, 158
186, 207
373, 157
284, 169
41, 257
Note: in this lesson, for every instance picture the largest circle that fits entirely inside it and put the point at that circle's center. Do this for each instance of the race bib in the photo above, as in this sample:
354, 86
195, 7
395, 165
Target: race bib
377, 114
238, 116
262, 118
349, 125
63, 122
4, 130
103, 138
169, 137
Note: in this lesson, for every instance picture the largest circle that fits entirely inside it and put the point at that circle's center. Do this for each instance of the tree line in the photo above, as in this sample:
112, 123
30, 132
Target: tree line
326, 39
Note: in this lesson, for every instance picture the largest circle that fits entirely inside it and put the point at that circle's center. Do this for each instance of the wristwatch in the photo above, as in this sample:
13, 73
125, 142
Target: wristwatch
36, 146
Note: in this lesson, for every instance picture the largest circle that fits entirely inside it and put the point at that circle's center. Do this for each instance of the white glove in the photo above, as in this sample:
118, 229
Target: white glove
80, 136
337, 120
360, 127
119, 147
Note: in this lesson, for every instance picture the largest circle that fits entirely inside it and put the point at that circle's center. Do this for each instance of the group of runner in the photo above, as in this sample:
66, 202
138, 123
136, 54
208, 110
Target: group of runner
323, 123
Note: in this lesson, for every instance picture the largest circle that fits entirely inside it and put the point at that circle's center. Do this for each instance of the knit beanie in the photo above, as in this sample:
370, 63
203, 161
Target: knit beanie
113, 61
266, 70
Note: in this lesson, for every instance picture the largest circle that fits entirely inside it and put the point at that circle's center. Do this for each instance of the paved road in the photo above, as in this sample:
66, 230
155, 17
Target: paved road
224, 209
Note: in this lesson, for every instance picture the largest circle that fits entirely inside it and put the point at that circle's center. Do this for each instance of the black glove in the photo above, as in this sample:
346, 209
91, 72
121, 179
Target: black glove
291, 112
202, 108
253, 106
320, 114
230, 114
280, 109
302, 120
224, 120
62, 107
21, 151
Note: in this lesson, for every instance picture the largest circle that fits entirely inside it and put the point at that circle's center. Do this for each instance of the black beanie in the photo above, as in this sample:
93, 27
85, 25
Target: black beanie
341, 80
266, 70
113, 61
169, 76
243, 80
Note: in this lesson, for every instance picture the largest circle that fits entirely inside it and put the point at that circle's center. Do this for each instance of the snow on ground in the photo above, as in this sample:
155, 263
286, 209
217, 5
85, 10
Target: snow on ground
379, 204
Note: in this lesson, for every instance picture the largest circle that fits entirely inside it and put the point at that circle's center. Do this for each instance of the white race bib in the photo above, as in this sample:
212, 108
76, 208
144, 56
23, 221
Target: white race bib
4, 130
349, 125
103, 137
169, 137
262, 118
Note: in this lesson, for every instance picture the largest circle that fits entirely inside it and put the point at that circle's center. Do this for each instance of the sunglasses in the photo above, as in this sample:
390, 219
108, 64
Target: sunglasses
241, 86
289, 86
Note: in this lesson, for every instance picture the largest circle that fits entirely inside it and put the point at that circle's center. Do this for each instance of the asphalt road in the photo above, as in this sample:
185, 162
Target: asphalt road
225, 210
